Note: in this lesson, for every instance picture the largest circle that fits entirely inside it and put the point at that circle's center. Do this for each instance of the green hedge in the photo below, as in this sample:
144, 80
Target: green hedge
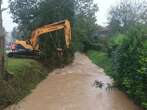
130, 65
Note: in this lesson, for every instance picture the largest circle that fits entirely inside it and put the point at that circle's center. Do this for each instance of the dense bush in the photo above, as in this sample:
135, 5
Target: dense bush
115, 42
130, 65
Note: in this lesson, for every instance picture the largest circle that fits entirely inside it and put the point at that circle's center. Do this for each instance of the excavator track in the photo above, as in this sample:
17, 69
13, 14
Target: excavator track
31, 55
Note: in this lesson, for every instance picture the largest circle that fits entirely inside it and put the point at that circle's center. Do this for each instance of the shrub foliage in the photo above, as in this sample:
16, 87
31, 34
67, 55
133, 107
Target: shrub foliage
130, 65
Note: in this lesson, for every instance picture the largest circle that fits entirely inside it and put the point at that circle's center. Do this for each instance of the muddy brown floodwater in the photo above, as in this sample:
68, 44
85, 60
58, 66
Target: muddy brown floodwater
71, 88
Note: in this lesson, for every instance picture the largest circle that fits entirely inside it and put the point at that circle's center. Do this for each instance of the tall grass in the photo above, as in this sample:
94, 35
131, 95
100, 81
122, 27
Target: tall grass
101, 59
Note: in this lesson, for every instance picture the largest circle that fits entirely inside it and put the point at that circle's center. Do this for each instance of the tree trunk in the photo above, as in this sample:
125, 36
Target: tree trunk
1, 56
2, 34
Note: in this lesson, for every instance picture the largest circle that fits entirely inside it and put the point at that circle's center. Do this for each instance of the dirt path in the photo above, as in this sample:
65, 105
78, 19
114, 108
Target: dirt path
71, 89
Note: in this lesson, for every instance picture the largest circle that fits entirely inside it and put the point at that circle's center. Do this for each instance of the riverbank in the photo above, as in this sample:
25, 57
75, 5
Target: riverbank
71, 88
25, 75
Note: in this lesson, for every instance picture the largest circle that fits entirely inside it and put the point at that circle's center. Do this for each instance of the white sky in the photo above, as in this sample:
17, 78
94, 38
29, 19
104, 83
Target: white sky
7, 20
104, 7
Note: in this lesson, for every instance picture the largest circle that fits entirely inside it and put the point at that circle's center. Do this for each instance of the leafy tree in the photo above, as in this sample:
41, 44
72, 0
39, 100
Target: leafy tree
2, 38
30, 14
127, 14
17, 34
24, 13
85, 22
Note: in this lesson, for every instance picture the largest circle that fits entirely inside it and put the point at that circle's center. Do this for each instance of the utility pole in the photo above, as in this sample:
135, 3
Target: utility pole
2, 44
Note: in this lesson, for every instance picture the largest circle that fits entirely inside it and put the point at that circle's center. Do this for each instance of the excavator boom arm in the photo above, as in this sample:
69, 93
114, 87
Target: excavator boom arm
50, 28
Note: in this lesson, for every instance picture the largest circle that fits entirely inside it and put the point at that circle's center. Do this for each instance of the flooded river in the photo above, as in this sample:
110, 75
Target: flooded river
71, 88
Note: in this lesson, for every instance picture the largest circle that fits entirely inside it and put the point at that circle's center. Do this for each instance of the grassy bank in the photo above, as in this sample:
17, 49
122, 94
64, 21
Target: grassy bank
25, 75
101, 59
18, 66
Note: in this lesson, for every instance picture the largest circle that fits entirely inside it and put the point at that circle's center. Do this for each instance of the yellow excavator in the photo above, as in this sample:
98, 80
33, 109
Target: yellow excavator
30, 47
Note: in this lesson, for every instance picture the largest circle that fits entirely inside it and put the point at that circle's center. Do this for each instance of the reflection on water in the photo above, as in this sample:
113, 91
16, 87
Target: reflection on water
73, 89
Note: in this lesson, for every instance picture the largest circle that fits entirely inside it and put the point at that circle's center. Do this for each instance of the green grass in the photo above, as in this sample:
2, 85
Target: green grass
27, 73
18, 66
101, 59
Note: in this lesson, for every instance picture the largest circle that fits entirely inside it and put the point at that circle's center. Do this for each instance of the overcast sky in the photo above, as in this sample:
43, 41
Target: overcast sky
104, 7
